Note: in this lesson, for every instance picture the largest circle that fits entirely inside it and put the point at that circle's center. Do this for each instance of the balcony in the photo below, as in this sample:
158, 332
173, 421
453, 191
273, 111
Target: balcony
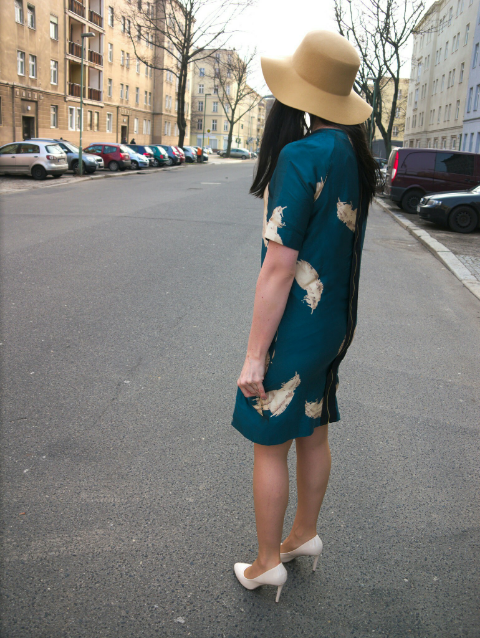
96, 18
76, 7
74, 89
95, 57
75, 49
93, 94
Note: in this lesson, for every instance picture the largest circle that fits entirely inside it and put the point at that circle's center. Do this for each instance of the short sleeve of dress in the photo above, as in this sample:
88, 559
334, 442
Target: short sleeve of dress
291, 199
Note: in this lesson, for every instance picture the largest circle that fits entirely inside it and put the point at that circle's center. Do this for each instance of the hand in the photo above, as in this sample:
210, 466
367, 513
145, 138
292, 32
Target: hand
251, 378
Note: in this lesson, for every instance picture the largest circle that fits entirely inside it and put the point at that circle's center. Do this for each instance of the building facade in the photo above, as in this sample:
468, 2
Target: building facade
398, 130
471, 119
210, 125
439, 79
40, 75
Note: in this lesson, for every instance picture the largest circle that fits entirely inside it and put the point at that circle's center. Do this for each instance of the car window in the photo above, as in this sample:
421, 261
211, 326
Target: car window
54, 149
123, 148
148, 149
415, 162
68, 147
28, 148
454, 163
96, 148
10, 148
110, 149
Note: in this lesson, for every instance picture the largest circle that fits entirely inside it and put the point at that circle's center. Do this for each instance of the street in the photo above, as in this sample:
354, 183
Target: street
127, 495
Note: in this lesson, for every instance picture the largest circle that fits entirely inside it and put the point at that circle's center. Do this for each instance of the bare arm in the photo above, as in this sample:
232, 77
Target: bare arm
273, 286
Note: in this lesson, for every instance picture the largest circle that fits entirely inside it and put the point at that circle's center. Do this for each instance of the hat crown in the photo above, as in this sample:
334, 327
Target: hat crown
327, 61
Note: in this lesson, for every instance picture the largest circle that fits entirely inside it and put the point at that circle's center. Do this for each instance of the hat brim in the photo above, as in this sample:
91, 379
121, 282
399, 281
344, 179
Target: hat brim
291, 89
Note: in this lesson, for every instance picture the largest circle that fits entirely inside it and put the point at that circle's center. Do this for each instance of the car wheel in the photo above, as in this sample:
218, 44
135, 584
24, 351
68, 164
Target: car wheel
134, 165
156, 163
244, 157
463, 219
113, 166
38, 172
411, 200
170, 161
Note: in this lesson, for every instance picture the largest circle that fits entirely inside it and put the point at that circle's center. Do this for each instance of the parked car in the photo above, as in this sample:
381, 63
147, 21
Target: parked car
138, 161
190, 154
242, 153
37, 159
115, 156
381, 162
415, 172
173, 155
90, 162
146, 151
181, 154
204, 153
161, 155
460, 210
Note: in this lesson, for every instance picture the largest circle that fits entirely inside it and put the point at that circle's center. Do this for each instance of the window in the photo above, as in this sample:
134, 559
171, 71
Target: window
477, 96
201, 89
20, 63
53, 116
214, 125
123, 24
53, 72
439, 114
78, 119
199, 124
138, 66
137, 96
71, 118
467, 29
149, 98
144, 127
454, 163
453, 77
399, 96
146, 70
139, 33
54, 27
32, 66
457, 110
227, 89
145, 97
110, 52
109, 122
475, 56
127, 91
89, 120
30, 16
176, 105
122, 57
225, 125
227, 109
97, 120
470, 96
129, 27
454, 43
127, 62
443, 83
111, 16
135, 125
121, 91
202, 70
446, 51
462, 67
454, 143
148, 127
109, 87
215, 90
19, 11
200, 106
215, 107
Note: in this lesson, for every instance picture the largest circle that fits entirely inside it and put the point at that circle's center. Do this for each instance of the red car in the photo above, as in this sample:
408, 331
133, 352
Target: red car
180, 153
115, 156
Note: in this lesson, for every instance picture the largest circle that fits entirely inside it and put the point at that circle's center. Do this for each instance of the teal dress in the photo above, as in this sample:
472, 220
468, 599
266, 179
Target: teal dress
312, 205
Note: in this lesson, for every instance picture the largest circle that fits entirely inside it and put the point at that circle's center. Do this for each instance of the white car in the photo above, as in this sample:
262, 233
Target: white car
138, 161
37, 159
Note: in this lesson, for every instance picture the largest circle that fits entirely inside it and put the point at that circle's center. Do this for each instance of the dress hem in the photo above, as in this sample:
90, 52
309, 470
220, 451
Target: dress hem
238, 427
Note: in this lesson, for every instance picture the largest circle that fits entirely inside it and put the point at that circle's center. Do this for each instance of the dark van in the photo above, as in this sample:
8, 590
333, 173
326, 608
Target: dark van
415, 172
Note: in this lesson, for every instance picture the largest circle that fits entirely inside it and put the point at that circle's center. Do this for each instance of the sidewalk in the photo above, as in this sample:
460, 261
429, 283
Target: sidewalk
458, 252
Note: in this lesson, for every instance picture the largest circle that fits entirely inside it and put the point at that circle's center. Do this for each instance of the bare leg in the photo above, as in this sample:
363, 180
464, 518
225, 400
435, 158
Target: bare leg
313, 470
270, 495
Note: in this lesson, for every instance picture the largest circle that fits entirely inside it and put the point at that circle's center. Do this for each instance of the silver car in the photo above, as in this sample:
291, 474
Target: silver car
37, 159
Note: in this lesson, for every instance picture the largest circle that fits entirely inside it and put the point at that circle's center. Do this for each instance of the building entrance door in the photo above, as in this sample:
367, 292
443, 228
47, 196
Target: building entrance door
28, 127
124, 135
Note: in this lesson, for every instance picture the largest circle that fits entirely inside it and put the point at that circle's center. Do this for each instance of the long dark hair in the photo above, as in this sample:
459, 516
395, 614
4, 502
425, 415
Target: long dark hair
286, 124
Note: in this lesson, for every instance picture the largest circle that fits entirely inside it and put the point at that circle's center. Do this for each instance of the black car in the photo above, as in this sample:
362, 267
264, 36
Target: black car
460, 210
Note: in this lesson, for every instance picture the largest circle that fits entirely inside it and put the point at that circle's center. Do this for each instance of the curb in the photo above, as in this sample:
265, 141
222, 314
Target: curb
103, 175
441, 252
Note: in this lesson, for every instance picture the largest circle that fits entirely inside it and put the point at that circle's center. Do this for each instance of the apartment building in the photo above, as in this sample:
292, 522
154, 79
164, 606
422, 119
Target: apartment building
210, 125
439, 80
398, 129
471, 120
40, 74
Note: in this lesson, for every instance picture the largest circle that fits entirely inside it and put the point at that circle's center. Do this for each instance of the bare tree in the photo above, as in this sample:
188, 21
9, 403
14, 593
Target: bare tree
229, 72
173, 32
379, 29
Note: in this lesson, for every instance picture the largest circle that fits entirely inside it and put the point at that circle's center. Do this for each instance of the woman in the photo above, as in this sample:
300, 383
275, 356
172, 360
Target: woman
316, 187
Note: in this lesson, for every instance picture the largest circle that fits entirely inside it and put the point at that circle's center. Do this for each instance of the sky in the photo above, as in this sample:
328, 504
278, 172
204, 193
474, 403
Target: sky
276, 28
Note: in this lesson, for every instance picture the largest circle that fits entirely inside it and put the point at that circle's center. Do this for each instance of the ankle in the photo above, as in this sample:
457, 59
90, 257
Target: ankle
303, 533
268, 562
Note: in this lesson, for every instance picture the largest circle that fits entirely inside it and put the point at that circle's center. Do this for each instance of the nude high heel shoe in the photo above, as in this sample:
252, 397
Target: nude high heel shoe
275, 576
313, 547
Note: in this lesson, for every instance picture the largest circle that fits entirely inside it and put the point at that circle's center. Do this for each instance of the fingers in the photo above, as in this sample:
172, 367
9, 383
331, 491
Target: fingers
261, 390
252, 388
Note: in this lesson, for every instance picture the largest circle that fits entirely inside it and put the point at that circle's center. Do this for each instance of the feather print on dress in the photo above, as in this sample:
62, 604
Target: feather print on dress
346, 214
307, 278
275, 222
313, 409
277, 401
319, 189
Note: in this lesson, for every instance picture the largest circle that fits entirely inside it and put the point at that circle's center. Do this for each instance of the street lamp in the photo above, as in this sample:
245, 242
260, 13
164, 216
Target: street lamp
375, 88
204, 112
87, 34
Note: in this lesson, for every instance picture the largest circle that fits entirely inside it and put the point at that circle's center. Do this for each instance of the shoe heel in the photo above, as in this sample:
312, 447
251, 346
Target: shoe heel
279, 591
315, 562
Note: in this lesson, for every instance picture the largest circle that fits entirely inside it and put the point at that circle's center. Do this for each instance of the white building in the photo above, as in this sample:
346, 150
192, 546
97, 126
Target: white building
440, 74
471, 120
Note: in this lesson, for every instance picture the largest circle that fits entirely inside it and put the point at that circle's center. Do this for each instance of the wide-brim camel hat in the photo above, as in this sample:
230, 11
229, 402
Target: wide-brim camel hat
318, 78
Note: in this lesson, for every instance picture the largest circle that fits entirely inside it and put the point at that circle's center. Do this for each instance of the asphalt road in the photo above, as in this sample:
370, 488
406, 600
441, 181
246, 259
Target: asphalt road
127, 494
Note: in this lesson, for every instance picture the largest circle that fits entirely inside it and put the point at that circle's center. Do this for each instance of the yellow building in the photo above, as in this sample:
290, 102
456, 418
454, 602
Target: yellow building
398, 130
40, 75
210, 125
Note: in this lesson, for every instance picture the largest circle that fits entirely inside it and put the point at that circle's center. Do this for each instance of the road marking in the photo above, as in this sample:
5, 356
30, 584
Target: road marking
211, 183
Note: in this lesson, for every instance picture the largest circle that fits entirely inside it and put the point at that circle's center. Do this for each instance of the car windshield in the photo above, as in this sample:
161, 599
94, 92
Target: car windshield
125, 149
70, 147
148, 149
54, 149
476, 189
